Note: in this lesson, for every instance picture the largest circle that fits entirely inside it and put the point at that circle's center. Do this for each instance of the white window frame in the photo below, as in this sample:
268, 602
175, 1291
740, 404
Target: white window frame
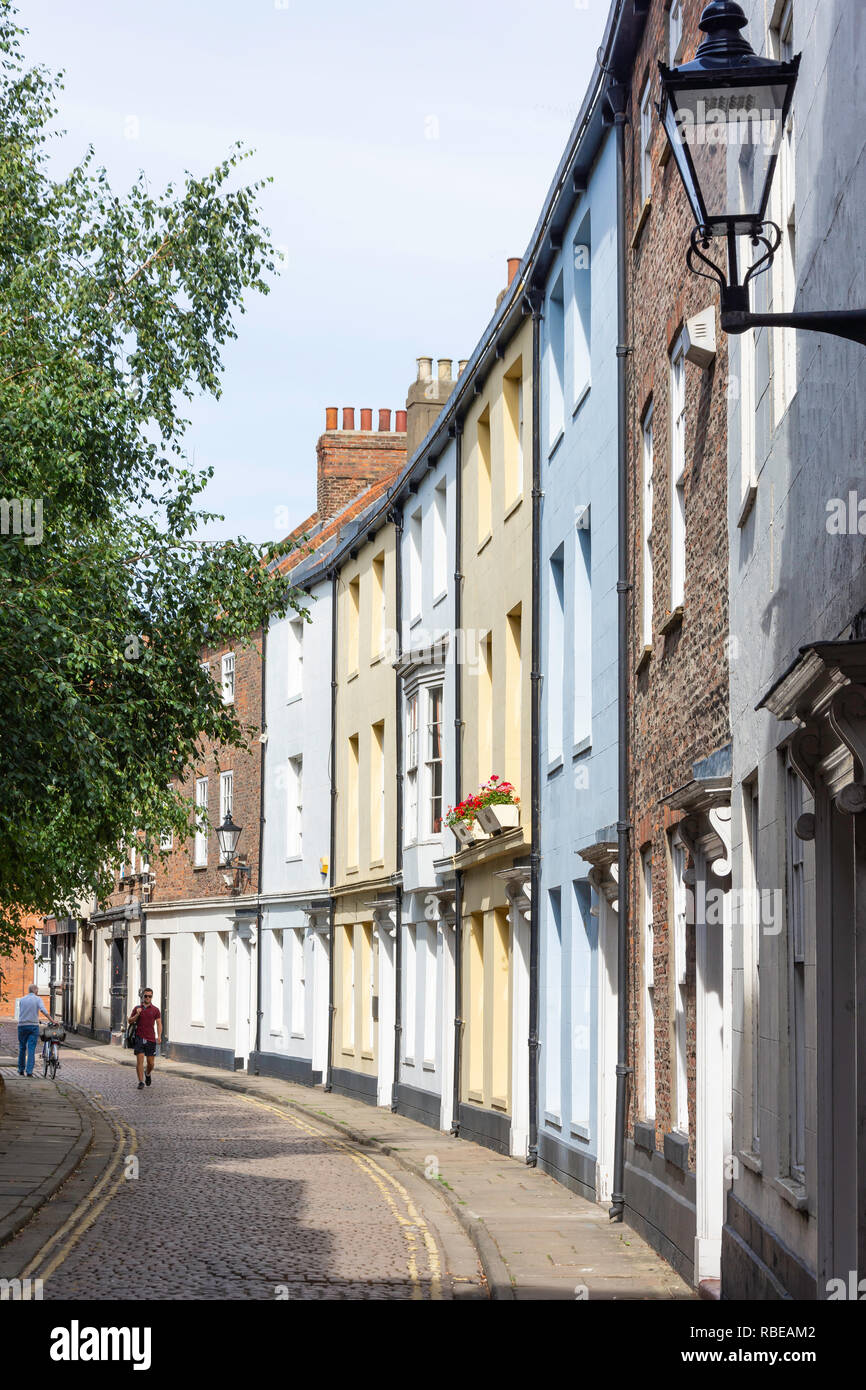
228, 678
679, 905
297, 1022
783, 204
678, 472
675, 32
555, 351
413, 701
647, 429
295, 808
416, 572
649, 1004
752, 962
430, 974
223, 980
198, 977
646, 140
410, 1023
295, 672
431, 762
227, 780
201, 833
796, 923
277, 981
440, 541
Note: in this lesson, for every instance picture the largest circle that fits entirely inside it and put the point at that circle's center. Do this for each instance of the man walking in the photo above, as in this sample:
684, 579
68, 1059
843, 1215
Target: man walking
148, 1033
29, 1007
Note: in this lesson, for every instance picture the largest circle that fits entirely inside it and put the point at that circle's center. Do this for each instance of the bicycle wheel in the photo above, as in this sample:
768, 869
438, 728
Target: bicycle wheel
52, 1065
44, 1063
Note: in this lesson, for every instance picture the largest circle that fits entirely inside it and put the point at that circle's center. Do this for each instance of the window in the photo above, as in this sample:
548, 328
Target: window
377, 792
354, 623
226, 791
276, 982
646, 140
431, 936
434, 759
500, 1068
485, 486
440, 541
412, 769
299, 984
228, 681
583, 943
512, 393
295, 808
485, 708
555, 654
553, 1006
222, 1017
410, 966
198, 977
582, 636
353, 829
647, 573
200, 848
784, 269
555, 365
296, 658
748, 467
474, 1009
675, 32
582, 259
796, 976
378, 627
368, 984
511, 767
205, 666
348, 994
752, 935
649, 1005
678, 865
416, 573
678, 470
166, 840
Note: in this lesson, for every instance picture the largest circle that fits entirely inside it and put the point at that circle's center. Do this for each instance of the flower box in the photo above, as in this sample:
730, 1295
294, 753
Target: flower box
466, 833
500, 815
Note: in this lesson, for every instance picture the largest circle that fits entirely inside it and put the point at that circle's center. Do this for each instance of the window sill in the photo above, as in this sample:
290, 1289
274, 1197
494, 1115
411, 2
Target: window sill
352, 869
475, 1097
376, 658
498, 1103
428, 1066
293, 699
644, 660
413, 622
554, 766
377, 863
551, 1119
298, 1036
440, 598
642, 220
367, 1056
579, 1132
580, 398
676, 1149
793, 1192
195, 1023
483, 544
294, 859
275, 1033
513, 507
747, 504
198, 868
673, 620
221, 1027
751, 1161
352, 676
408, 1061
556, 443
347, 1051
583, 746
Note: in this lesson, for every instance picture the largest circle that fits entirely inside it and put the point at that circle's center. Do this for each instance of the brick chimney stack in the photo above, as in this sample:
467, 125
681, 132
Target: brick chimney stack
427, 395
350, 459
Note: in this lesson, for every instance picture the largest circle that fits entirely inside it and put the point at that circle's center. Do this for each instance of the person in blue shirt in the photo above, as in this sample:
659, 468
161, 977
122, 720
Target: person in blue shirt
29, 1009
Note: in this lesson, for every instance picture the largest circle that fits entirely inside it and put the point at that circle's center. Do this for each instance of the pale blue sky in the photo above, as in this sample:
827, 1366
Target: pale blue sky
396, 242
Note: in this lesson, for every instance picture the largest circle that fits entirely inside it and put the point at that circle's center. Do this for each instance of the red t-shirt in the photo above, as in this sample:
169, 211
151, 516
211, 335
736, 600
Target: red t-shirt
146, 1020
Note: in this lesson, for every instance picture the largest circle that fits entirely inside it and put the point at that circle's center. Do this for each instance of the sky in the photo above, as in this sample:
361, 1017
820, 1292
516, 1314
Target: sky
410, 149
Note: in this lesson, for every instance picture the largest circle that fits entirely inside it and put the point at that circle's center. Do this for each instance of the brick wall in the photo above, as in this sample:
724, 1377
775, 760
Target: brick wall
18, 973
349, 460
678, 695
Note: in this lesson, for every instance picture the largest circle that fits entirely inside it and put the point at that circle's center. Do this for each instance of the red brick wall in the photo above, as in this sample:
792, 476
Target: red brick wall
349, 460
678, 700
18, 973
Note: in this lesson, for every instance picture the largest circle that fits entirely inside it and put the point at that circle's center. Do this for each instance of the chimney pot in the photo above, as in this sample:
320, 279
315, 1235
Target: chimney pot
425, 368
330, 417
513, 267
384, 421
462, 365
444, 368
366, 418
400, 421
348, 417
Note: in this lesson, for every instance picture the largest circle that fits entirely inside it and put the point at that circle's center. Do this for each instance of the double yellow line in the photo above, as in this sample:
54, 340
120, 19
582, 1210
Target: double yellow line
43, 1265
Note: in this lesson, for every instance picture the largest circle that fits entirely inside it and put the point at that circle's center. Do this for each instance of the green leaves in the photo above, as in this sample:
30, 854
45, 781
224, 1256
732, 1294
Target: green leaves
113, 311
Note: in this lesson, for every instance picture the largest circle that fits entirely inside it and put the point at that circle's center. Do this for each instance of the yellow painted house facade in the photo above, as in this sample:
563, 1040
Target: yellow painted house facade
362, 1046
495, 676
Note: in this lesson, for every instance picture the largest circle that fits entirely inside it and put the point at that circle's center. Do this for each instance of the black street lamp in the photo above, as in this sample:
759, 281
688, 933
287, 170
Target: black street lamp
228, 835
725, 114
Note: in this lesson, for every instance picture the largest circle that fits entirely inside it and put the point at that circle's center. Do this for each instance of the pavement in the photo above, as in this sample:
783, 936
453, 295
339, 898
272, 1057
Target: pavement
250, 1187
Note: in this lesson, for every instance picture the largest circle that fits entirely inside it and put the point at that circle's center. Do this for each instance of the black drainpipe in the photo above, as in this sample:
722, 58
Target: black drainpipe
618, 98
535, 716
262, 752
397, 518
458, 765
332, 931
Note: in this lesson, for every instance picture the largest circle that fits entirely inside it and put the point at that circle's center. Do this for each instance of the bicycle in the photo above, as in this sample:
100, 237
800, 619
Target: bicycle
52, 1035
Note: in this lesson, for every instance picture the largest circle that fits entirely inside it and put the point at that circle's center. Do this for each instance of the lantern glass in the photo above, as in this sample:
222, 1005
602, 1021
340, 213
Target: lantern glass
228, 835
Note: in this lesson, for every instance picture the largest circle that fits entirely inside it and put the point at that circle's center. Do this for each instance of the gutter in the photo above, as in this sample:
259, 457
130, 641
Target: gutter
263, 747
458, 774
332, 906
535, 723
397, 518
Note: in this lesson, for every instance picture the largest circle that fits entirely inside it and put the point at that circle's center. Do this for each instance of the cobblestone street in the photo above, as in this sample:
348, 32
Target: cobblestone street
220, 1196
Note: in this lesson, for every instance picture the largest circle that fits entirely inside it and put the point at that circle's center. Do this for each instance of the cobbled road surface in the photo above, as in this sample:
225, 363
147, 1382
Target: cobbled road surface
226, 1198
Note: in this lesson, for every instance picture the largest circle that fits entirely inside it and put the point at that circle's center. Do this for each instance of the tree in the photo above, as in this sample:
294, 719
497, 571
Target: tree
112, 314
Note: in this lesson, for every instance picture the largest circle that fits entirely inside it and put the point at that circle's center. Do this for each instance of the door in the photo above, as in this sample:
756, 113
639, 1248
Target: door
320, 1003
164, 946
118, 988
243, 974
